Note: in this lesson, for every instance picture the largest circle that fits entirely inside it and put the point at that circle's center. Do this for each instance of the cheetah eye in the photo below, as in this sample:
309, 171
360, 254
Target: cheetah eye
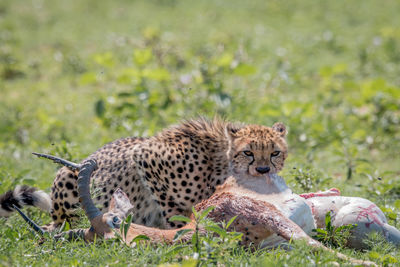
248, 153
276, 153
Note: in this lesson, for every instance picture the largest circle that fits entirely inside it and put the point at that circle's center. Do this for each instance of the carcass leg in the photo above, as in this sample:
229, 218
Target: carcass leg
354, 210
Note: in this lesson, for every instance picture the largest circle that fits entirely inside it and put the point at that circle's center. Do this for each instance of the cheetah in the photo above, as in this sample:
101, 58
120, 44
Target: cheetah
166, 174
267, 212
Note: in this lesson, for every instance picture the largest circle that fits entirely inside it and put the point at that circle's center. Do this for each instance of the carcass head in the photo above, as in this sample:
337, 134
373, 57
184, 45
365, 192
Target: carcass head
102, 224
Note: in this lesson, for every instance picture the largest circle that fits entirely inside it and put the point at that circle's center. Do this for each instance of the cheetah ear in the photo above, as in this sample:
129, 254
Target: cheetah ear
232, 129
280, 128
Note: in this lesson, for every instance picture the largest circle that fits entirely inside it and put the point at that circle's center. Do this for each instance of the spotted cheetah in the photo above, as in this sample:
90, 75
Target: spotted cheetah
168, 173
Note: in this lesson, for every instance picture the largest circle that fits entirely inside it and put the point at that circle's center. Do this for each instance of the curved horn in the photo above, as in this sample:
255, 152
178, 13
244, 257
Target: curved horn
93, 213
97, 219
30, 221
70, 165
85, 172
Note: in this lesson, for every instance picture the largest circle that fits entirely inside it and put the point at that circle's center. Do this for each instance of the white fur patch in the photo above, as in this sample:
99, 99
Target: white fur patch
42, 200
17, 193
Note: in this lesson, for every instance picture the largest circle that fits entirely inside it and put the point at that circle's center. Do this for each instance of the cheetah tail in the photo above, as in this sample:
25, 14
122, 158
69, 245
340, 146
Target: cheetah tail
70, 165
23, 195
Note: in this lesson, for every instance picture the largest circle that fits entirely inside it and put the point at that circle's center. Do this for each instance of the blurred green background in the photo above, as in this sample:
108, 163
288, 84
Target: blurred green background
77, 74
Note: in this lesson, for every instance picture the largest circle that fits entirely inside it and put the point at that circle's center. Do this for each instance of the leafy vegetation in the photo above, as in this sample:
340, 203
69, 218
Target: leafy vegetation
331, 235
75, 75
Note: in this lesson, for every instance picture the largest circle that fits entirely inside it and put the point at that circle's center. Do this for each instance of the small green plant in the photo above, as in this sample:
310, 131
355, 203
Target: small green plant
350, 155
331, 235
304, 179
308, 179
123, 231
216, 242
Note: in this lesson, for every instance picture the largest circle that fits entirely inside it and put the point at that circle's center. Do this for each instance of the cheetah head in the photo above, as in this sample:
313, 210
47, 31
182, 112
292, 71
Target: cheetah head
258, 150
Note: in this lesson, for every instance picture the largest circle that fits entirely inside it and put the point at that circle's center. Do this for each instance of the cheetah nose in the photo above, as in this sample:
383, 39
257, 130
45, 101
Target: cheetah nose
263, 169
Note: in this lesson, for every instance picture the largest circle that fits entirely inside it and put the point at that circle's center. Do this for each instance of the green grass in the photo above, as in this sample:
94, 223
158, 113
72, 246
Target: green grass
77, 74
